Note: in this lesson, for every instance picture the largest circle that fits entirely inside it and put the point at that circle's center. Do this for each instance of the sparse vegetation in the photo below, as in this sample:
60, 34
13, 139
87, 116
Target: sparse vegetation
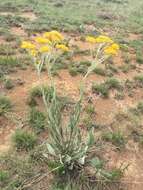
3, 176
112, 68
139, 57
116, 138
100, 71
18, 168
76, 68
113, 83
6, 50
140, 107
37, 91
5, 105
90, 109
105, 87
139, 80
61, 136
8, 84
101, 89
8, 64
37, 120
125, 68
24, 140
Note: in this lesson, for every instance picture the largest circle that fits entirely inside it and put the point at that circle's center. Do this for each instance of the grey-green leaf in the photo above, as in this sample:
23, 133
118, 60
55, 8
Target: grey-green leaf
50, 149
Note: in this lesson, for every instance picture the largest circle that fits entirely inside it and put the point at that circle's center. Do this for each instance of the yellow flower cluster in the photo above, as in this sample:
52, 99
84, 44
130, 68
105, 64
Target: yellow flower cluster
62, 47
27, 45
54, 36
44, 49
104, 39
91, 39
33, 52
42, 40
45, 43
111, 47
99, 39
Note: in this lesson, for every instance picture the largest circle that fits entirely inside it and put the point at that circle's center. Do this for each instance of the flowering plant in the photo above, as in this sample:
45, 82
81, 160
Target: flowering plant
45, 49
101, 49
65, 144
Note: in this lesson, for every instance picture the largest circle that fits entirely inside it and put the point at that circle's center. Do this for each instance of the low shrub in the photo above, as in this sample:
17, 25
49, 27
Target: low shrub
101, 89
3, 176
90, 109
6, 50
139, 57
100, 71
140, 107
104, 88
8, 64
37, 91
37, 119
5, 105
139, 80
8, 84
73, 71
115, 138
113, 83
24, 140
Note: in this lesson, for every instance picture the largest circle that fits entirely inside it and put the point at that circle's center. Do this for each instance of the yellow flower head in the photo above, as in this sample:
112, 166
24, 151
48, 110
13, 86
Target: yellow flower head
33, 52
42, 40
103, 39
27, 45
115, 46
62, 47
112, 49
56, 33
90, 39
44, 49
53, 36
47, 35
